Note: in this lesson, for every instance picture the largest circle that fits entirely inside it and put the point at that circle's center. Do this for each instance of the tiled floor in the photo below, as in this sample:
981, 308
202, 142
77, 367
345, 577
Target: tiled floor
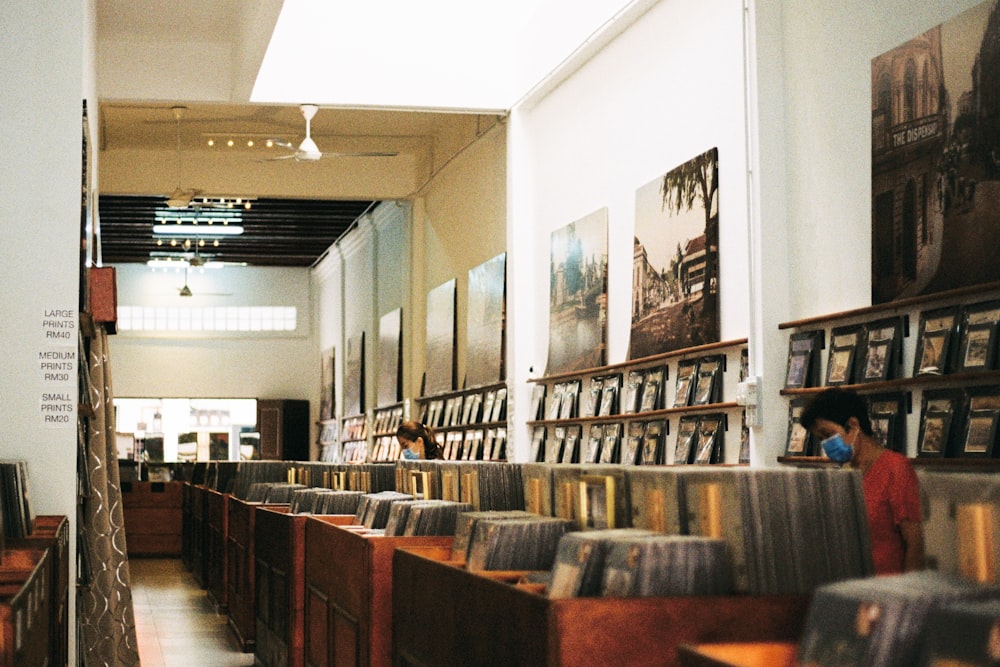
176, 623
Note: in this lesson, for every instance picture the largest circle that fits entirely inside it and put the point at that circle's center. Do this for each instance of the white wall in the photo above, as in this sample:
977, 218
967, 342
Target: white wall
45, 72
218, 365
667, 89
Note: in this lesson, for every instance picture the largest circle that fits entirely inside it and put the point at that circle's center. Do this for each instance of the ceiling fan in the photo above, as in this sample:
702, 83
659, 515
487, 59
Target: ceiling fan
185, 289
308, 151
180, 197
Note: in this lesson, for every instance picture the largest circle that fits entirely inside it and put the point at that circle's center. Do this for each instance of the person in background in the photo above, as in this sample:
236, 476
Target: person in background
417, 441
839, 418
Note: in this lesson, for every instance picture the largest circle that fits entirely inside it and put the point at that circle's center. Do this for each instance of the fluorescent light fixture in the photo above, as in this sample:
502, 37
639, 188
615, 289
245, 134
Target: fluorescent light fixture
163, 263
190, 229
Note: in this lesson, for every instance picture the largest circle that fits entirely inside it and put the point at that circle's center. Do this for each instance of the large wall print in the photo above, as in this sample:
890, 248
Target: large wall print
485, 322
390, 356
439, 375
354, 376
675, 263
936, 159
578, 294
327, 403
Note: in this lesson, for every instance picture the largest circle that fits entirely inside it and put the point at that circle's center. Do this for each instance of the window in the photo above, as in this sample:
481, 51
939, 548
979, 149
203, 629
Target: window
207, 318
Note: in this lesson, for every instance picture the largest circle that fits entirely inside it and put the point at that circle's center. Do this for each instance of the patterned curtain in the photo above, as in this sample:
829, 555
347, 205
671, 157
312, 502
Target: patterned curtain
106, 623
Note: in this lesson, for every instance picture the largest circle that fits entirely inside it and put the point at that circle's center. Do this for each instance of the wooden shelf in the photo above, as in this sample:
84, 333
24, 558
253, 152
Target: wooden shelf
951, 464
635, 363
649, 414
923, 381
898, 305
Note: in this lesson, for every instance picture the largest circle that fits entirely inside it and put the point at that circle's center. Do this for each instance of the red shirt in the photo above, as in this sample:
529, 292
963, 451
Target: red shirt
892, 495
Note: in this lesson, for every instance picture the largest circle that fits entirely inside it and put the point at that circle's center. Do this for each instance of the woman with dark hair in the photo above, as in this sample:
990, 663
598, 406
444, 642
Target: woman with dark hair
839, 418
416, 438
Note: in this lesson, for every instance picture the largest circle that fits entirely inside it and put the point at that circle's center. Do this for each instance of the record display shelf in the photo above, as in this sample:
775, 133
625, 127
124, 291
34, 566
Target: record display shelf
198, 531
26, 607
621, 413
485, 618
153, 518
470, 423
216, 527
912, 351
348, 588
51, 533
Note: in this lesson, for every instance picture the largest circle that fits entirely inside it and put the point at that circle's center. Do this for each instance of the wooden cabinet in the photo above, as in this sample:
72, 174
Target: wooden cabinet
348, 591
240, 580
445, 615
279, 563
26, 607
284, 429
470, 424
153, 517
51, 534
216, 528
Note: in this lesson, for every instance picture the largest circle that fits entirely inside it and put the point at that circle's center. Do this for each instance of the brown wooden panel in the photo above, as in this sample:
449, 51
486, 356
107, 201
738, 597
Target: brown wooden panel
317, 622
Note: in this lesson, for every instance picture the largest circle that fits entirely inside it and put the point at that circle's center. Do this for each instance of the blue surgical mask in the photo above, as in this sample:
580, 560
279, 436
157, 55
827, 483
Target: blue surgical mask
410, 454
837, 449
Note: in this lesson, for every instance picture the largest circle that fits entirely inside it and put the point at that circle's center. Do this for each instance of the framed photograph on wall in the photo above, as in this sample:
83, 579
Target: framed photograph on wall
888, 418
979, 337
709, 443
940, 417
799, 441
687, 434
687, 373
594, 439
842, 359
440, 350
936, 341
652, 443
883, 351
980, 433
802, 369
709, 382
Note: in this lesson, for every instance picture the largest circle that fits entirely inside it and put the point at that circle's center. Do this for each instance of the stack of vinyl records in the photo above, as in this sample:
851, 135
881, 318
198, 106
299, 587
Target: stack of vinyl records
465, 527
879, 620
337, 502
220, 476
250, 472
665, 565
579, 566
657, 496
595, 495
373, 509
280, 493
788, 531
537, 480
486, 485
424, 517
516, 544
411, 476
963, 633
303, 501
15, 500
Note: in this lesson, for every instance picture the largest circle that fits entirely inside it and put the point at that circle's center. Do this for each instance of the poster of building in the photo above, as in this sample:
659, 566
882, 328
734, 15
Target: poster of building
354, 375
675, 263
390, 356
936, 159
326, 393
578, 294
439, 360
485, 322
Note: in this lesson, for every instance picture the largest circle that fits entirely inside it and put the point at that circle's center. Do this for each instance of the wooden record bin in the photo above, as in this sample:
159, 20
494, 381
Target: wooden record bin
51, 533
216, 527
153, 517
348, 589
445, 615
240, 579
26, 607
279, 564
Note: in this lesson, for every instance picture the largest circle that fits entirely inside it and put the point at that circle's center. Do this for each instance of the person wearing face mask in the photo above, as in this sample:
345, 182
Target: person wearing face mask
417, 441
839, 419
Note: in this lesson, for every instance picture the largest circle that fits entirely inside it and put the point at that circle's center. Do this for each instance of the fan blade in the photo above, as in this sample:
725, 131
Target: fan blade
362, 154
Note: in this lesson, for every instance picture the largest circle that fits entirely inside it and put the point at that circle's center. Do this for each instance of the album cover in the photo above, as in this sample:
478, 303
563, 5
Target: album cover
687, 373
842, 360
803, 359
979, 337
883, 352
687, 433
936, 342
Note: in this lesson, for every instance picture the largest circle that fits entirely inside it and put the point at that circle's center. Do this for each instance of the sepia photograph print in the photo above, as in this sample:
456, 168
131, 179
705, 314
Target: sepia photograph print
844, 344
327, 403
936, 158
578, 294
687, 431
980, 433
390, 358
675, 284
439, 359
354, 375
485, 322
935, 340
938, 417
